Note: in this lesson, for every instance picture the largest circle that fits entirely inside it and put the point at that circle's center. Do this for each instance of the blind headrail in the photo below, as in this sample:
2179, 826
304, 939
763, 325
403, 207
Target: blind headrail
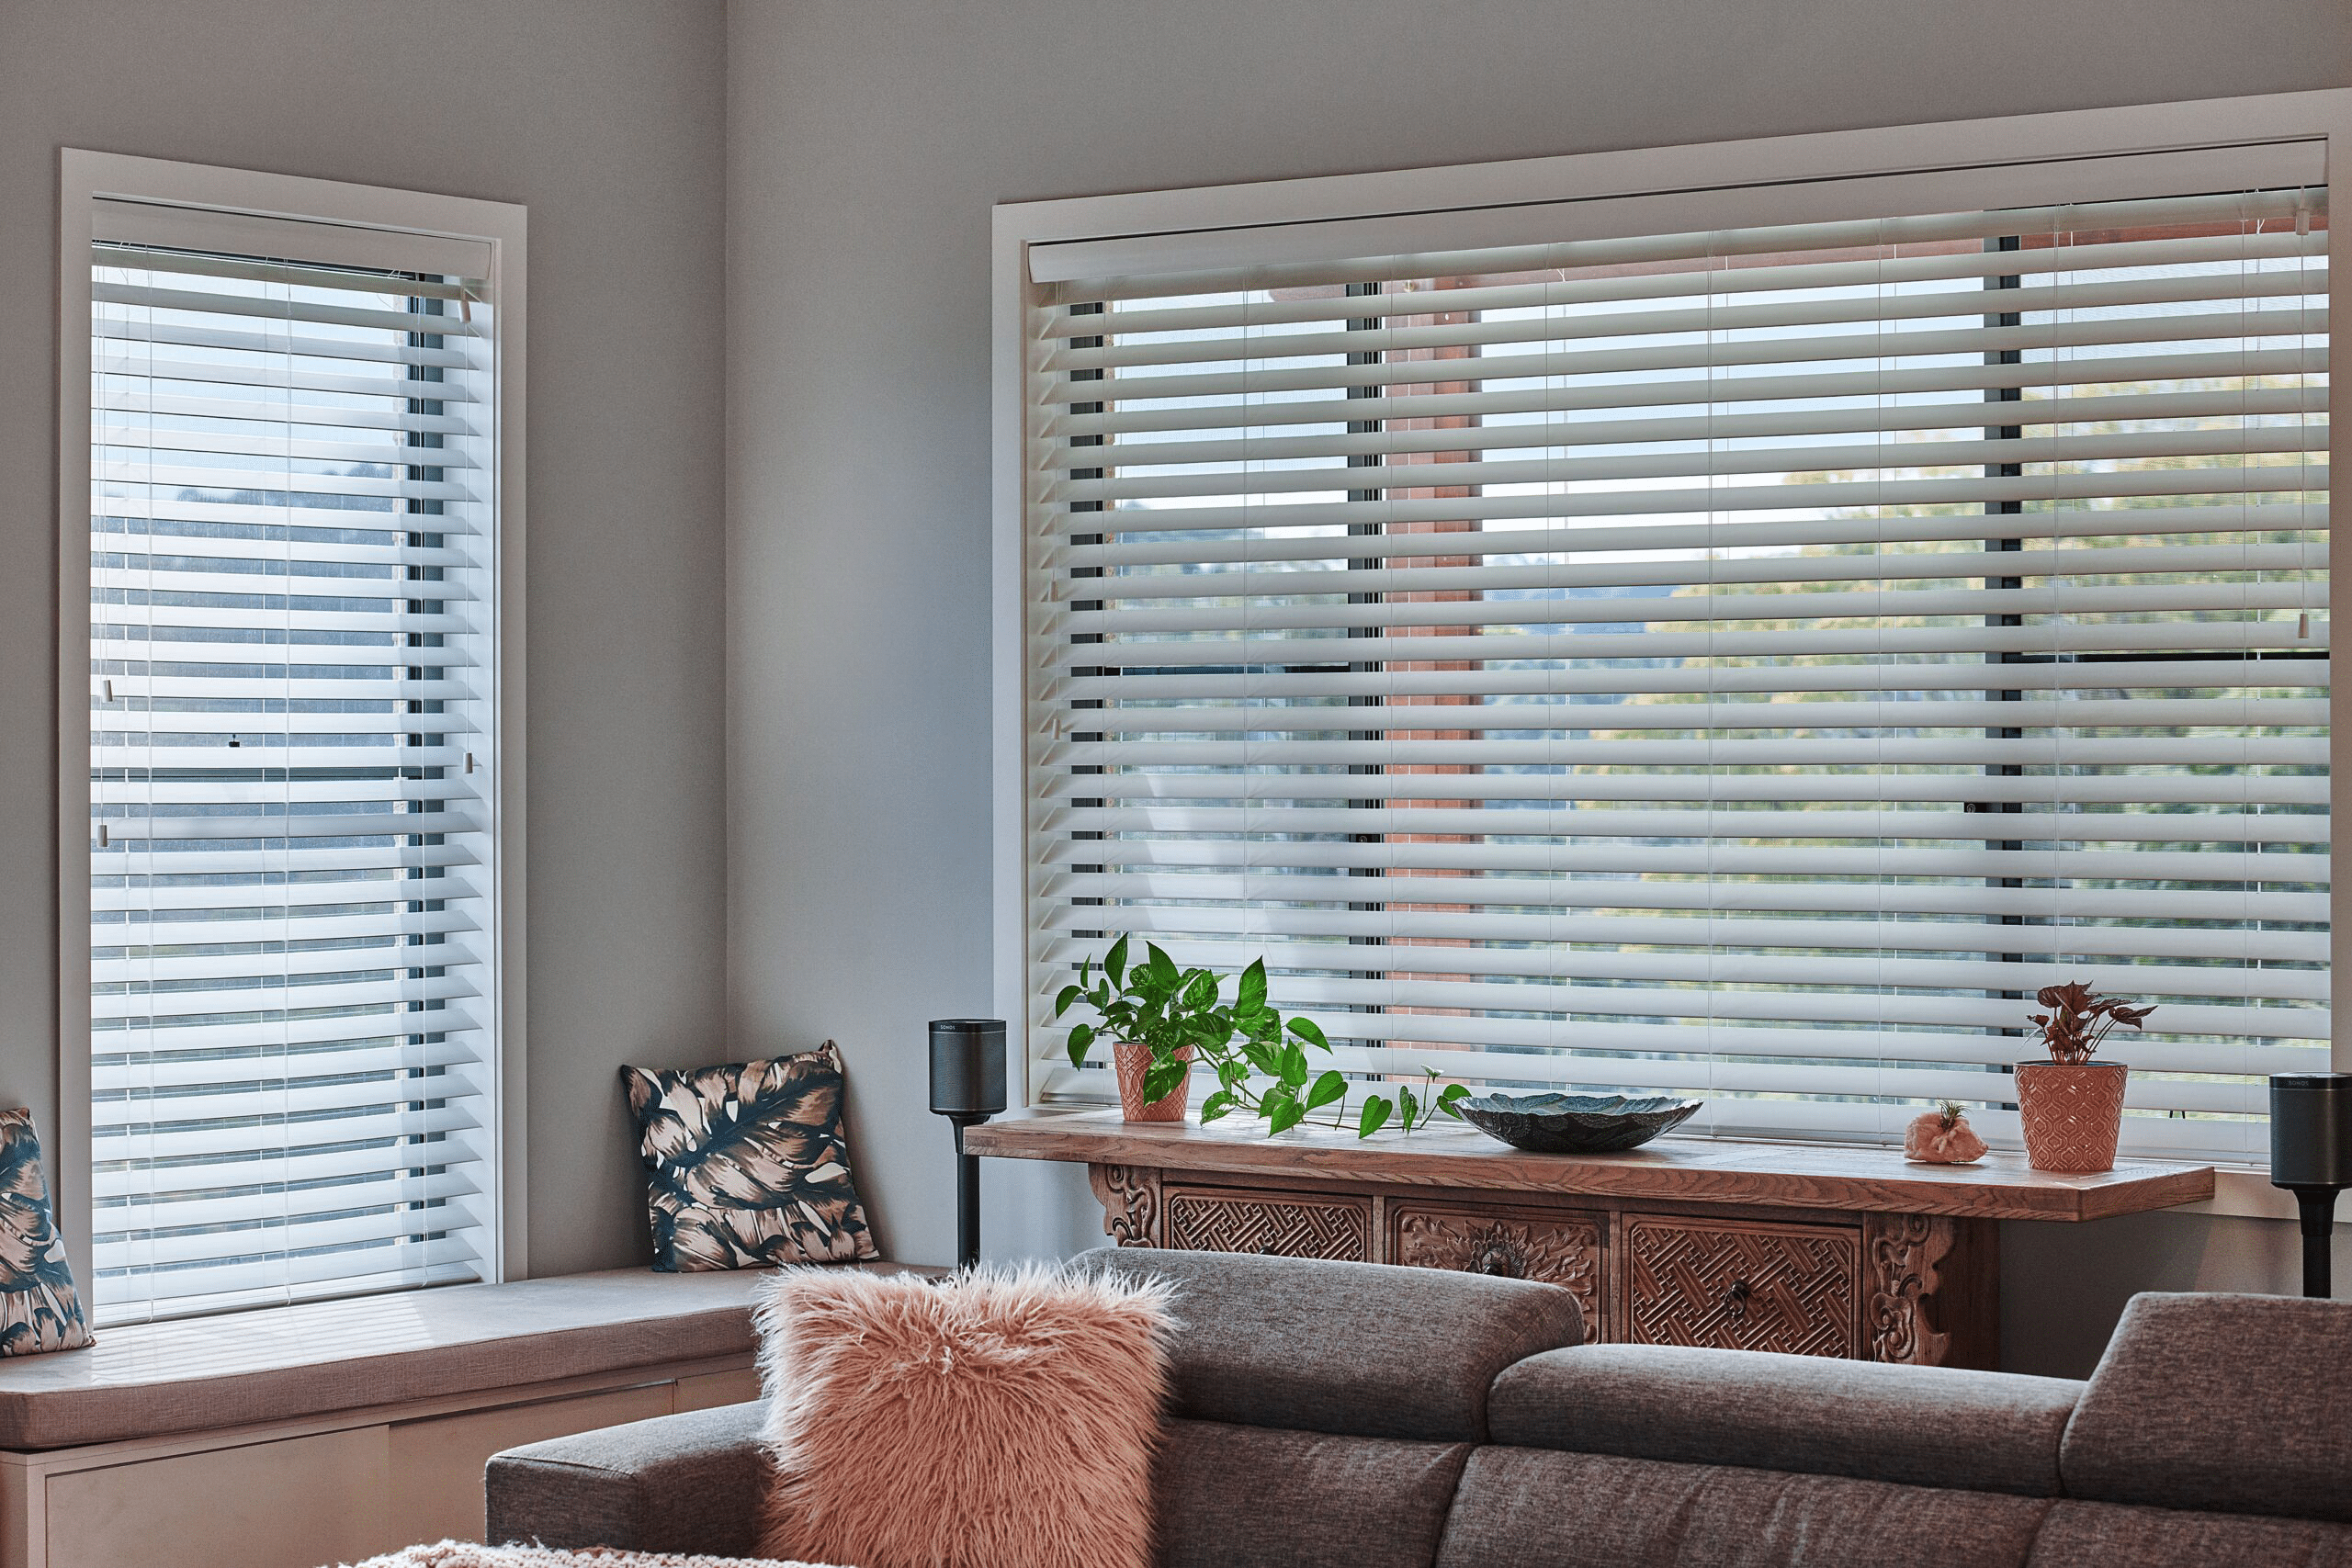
1526, 234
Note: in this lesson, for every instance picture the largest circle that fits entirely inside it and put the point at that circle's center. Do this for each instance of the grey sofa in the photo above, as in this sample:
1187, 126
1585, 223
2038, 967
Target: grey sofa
1352, 1415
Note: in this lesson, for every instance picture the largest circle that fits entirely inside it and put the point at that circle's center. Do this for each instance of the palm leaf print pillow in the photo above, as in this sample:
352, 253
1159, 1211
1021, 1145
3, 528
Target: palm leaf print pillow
39, 1308
747, 1164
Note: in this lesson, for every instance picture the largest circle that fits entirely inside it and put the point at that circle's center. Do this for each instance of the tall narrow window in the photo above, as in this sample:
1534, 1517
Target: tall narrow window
293, 884
1747, 661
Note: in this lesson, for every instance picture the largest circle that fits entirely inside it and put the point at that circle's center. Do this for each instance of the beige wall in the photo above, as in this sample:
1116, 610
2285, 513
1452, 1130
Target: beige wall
867, 142
604, 117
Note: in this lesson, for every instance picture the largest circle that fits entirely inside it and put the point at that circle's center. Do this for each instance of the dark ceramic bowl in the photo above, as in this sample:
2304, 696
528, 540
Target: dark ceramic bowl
1575, 1123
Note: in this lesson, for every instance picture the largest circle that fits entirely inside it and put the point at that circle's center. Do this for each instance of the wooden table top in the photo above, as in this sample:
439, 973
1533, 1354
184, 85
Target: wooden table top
1702, 1170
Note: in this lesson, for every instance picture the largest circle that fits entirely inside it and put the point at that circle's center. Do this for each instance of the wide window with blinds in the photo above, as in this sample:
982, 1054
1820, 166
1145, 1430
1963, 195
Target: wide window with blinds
1746, 661
292, 887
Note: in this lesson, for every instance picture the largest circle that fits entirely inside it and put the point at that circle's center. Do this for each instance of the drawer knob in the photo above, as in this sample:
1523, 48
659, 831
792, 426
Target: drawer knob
1500, 1256
1735, 1297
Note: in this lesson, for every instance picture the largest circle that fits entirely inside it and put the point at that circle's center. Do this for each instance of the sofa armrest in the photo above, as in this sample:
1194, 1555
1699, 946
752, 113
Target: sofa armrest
686, 1484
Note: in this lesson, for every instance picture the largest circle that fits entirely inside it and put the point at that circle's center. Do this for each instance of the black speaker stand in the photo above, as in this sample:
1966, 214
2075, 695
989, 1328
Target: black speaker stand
967, 1190
2318, 1207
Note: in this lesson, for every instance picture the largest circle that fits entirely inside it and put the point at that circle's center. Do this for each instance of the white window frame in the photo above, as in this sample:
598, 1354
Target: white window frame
1177, 228
84, 178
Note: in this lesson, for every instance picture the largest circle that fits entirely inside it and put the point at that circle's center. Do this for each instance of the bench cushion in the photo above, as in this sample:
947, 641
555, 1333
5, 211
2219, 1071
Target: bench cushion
285, 1363
1530, 1508
1924, 1425
2228, 1403
1410, 1351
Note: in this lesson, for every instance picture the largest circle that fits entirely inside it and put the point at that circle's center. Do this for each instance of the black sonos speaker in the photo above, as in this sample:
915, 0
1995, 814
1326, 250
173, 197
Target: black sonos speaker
968, 1087
2311, 1155
966, 1067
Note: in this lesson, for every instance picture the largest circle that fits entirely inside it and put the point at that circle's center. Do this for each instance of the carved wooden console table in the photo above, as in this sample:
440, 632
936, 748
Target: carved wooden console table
1762, 1246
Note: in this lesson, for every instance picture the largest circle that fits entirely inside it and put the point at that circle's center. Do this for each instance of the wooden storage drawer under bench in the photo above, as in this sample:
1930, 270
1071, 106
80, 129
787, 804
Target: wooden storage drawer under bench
1848, 1252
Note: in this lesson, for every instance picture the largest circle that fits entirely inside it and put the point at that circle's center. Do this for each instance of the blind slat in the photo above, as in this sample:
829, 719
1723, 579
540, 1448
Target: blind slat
2225, 828
1841, 974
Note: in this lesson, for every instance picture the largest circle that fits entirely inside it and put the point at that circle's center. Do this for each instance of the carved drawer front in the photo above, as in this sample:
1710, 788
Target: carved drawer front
1559, 1249
1742, 1286
1291, 1225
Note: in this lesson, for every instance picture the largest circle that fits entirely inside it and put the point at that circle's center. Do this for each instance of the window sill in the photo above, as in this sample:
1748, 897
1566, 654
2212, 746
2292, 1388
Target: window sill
2243, 1191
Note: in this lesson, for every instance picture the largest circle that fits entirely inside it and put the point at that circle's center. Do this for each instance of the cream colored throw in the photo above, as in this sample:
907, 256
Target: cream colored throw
461, 1554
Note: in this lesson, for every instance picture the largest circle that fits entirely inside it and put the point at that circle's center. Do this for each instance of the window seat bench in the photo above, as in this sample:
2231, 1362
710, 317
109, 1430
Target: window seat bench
292, 1436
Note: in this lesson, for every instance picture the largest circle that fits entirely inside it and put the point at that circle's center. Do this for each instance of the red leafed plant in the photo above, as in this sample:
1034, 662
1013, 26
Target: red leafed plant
2080, 1020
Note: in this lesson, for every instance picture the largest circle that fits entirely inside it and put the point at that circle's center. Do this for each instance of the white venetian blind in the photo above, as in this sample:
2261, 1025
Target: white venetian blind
1747, 664
292, 971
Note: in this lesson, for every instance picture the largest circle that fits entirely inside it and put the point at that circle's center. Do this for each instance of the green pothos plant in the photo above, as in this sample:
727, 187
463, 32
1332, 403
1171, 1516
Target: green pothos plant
1261, 1060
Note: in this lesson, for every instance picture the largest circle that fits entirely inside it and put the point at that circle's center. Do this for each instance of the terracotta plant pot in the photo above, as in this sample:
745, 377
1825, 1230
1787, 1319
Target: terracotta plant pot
2073, 1114
1133, 1062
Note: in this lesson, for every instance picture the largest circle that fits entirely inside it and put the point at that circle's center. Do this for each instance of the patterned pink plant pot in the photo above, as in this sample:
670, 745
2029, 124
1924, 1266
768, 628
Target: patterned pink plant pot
2073, 1114
1133, 1061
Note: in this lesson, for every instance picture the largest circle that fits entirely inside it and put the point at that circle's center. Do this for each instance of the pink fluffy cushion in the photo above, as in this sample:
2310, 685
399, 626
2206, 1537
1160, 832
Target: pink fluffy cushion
990, 1420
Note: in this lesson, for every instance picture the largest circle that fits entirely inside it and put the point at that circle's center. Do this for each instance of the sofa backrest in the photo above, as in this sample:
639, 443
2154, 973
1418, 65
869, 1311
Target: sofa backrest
1921, 1426
2229, 1403
1322, 1412
1363, 1349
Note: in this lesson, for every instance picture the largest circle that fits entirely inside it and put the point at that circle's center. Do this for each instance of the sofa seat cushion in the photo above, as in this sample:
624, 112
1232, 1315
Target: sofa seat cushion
1921, 1426
2234, 1403
2113, 1535
287, 1363
1363, 1349
1235, 1497
1535, 1508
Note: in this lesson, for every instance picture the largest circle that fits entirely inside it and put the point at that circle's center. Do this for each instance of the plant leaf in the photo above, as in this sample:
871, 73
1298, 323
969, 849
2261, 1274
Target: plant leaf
1282, 1111
1407, 1106
1332, 1085
1162, 1080
1294, 1067
1162, 967
1069, 994
1216, 1106
1253, 994
1306, 1029
1115, 963
1079, 1039
1373, 1116
1450, 1093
